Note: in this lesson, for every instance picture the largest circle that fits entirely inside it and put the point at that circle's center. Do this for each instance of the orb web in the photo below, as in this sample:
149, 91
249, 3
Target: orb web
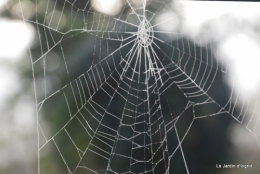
117, 105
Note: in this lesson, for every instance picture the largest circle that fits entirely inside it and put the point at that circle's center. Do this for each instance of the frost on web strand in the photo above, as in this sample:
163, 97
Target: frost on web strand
127, 105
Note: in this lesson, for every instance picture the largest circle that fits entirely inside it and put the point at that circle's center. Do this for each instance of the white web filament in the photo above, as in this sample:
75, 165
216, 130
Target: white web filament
133, 128
145, 37
145, 33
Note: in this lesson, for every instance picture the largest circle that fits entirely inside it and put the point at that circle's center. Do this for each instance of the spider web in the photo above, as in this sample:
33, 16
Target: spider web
122, 95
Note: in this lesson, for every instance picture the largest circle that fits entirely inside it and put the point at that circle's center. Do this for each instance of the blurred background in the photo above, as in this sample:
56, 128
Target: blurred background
30, 58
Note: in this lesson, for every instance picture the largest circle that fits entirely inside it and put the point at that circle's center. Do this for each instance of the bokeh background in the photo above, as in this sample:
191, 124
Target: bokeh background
234, 43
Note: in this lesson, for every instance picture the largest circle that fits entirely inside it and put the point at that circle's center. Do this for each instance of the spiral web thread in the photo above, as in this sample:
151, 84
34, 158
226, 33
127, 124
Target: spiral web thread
139, 80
